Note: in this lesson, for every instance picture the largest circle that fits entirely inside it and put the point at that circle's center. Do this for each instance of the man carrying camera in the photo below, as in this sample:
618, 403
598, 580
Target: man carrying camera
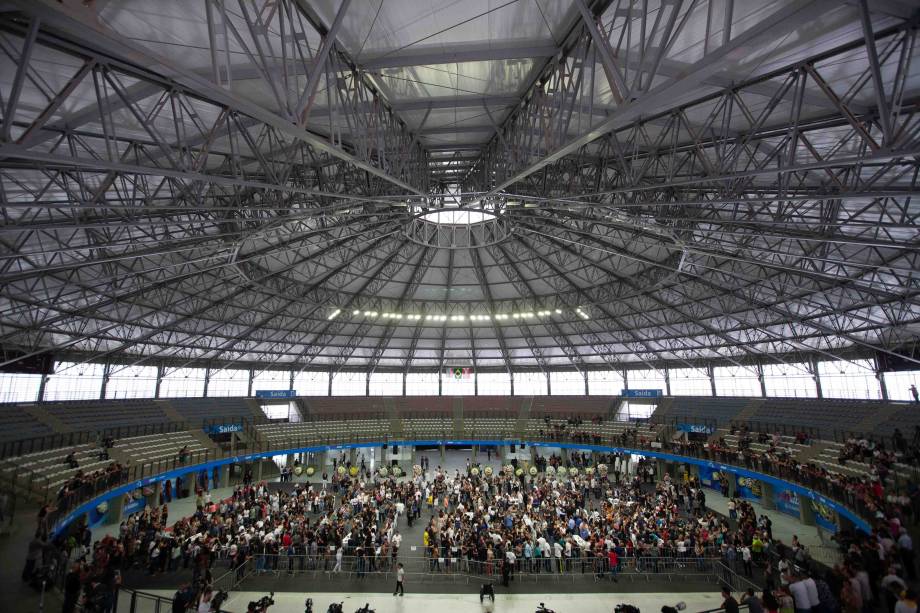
261, 605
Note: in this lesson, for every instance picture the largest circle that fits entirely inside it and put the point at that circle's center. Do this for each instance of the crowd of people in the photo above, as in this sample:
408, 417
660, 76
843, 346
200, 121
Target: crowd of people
509, 522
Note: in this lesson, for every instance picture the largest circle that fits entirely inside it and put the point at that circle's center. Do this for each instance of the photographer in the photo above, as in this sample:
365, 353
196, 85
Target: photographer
261, 605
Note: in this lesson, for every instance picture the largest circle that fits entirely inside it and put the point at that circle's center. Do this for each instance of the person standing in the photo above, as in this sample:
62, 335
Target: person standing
400, 579
339, 554
906, 552
746, 559
71, 589
914, 393
729, 604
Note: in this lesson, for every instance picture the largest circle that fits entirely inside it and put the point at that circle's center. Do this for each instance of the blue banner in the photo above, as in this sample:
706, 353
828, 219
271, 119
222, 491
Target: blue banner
695, 428
276, 393
825, 518
749, 488
641, 393
223, 428
711, 477
134, 506
787, 502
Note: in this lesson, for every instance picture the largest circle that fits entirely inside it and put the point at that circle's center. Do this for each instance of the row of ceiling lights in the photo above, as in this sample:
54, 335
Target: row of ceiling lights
457, 318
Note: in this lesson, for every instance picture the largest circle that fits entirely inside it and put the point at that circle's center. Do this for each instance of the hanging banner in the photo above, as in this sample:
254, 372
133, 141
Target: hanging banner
223, 428
641, 393
695, 428
787, 502
825, 517
749, 489
460, 372
276, 394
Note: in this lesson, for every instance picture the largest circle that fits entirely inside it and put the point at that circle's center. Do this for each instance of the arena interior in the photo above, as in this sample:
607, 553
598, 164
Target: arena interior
486, 306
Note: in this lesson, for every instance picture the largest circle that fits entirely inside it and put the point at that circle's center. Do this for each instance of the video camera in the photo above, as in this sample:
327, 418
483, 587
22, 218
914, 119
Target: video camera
261, 605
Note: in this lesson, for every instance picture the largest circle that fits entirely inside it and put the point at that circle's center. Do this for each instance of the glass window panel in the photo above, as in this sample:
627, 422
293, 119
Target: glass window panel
605, 382
15, 387
229, 382
690, 382
182, 383
898, 384
312, 383
529, 384
422, 384
386, 384
646, 380
275, 410
464, 386
73, 381
630, 411
737, 381
131, 382
349, 384
789, 381
566, 383
271, 380
845, 379
494, 384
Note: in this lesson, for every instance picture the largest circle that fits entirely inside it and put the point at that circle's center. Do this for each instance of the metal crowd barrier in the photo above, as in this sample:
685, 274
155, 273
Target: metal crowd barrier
425, 568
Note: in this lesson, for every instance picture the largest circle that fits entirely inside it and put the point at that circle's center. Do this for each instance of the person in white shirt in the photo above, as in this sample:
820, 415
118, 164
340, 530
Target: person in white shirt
338, 560
800, 596
812, 589
747, 559
906, 553
557, 553
400, 578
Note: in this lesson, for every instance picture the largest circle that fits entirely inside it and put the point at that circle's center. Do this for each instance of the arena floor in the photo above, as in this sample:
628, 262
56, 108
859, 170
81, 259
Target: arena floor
293, 602
585, 596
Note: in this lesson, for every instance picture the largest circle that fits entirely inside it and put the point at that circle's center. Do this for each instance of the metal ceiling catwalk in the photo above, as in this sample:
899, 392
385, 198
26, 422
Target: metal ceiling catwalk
508, 184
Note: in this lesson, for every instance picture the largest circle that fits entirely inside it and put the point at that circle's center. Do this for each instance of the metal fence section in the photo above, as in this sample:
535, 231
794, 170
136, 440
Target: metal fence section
732, 580
462, 569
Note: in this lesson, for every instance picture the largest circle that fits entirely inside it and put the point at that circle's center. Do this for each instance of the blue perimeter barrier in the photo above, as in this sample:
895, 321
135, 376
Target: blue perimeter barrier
776, 482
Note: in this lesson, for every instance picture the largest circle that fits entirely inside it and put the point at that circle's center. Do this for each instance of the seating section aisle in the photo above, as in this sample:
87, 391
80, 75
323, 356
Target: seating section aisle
49, 469
320, 432
424, 406
719, 410
565, 406
197, 410
157, 447
16, 424
106, 414
344, 407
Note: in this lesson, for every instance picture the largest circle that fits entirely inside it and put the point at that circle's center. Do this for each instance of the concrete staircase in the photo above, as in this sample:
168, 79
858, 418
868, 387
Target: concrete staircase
303, 407
524, 416
171, 412
613, 408
255, 407
39, 414
749, 410
459, 423
876, 418
810, 452
396, 424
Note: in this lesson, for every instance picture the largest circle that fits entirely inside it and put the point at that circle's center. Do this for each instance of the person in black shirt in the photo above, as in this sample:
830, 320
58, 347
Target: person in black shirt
71, 589
182, 598
729, 604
